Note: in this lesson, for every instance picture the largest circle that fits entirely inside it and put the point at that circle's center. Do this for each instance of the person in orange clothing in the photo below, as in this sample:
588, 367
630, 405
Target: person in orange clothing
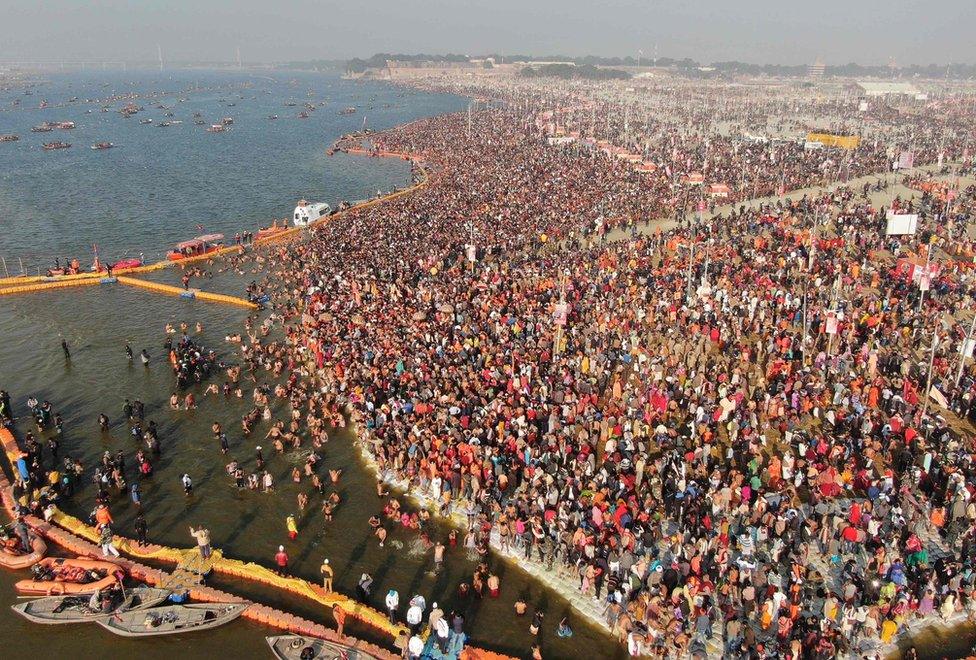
103, 516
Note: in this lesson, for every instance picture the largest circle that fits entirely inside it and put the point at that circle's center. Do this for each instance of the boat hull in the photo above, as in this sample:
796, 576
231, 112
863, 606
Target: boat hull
289, 647
42, 610
185, 618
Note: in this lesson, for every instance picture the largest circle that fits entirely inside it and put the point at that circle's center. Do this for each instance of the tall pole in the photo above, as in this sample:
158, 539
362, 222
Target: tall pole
962, 349
928, 383
691, 253
925, 275
559, 328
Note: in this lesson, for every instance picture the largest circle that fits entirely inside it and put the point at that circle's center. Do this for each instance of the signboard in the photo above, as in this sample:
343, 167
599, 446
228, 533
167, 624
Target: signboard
901, 224
924, 281
471, 251
831, 328
906, 160
967, 347
560, 313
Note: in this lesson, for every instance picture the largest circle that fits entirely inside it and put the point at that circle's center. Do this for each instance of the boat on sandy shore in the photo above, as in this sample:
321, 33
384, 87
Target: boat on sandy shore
172, 619
290, 647
55, 610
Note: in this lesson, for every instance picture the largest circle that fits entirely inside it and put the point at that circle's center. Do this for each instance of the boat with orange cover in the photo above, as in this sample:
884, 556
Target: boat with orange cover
13, 556
56, 575
198, 246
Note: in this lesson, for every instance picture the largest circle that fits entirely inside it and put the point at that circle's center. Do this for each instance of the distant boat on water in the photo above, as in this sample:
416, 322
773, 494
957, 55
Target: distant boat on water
51, 146
98, 146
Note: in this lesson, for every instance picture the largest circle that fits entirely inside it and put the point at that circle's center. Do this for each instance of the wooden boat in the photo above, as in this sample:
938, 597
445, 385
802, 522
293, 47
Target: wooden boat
9, 137
172, 619
12, 556
51, 146
74, 609
290, 647
70, 576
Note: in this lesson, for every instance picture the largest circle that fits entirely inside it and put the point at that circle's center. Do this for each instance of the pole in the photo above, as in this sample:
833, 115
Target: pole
928, 383
691, 254
925, 274
7, 272
559, 328
962, 349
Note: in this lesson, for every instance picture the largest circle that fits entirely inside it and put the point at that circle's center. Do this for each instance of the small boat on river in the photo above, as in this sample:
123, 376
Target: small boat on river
14, 556
290, 647
9, 137
198, 246
306, 213
98, 146
75, 609
51, 146
172, 619
57, 576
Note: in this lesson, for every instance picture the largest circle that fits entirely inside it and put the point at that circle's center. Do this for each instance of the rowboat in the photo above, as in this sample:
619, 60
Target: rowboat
290, 647
172, 619
75, 609
58, 576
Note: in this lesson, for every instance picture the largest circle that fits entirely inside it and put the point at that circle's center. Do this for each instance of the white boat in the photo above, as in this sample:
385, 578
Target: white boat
172, 619
308, 212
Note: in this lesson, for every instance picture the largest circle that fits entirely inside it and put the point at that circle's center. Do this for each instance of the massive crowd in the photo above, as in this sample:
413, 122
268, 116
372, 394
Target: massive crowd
699, 467
717, 430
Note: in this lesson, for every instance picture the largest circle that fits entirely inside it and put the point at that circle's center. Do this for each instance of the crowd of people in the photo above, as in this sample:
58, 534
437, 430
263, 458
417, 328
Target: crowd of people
749, 430
745, 462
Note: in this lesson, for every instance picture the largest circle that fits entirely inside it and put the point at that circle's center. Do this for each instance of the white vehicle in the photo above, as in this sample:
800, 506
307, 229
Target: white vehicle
306, 213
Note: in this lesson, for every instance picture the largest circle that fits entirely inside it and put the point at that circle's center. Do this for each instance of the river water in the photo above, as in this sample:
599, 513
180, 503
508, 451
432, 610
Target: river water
150, 192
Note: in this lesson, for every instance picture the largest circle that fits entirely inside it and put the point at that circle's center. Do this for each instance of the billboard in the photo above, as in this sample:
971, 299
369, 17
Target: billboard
901, 224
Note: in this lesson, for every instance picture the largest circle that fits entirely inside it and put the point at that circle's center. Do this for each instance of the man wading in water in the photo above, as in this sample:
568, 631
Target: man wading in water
202, 536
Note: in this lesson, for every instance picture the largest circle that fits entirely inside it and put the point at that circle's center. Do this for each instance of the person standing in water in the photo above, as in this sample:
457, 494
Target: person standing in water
64, 347
292, 527
327, 574
128, 352
144, 356
202, 535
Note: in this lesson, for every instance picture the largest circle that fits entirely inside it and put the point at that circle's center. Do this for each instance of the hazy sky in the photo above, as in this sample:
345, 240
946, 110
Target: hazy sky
761, 31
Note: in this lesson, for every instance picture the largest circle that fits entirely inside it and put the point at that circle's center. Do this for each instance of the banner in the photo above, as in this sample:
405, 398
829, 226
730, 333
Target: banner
906, 160
560, 313
901, 224
831, 328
